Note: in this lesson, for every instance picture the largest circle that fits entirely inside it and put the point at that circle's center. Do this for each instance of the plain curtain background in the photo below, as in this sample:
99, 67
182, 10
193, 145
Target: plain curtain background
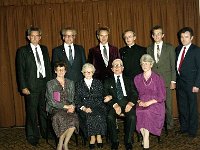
85, 16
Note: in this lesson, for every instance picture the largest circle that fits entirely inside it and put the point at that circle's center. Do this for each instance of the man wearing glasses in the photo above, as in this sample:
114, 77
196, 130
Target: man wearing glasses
121, 98
131, 54
33, 70
72, 54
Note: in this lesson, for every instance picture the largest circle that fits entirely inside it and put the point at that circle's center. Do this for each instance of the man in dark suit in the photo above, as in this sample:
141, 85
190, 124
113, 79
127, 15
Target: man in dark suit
102, 55
188, 82
33, 71
164, 56
72, 54
121, 98
131, 54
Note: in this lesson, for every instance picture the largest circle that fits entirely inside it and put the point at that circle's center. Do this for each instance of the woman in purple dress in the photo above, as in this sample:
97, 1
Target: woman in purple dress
60, 104
150, 110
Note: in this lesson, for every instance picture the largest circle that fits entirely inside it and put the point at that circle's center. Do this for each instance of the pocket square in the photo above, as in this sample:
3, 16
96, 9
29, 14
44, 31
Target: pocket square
111, 87
56, 96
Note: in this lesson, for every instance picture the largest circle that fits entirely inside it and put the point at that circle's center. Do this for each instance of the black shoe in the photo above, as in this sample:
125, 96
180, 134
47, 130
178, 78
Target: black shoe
180, 132
192, 135
114, 145
100, 145
128, 146
33, 141
92, 146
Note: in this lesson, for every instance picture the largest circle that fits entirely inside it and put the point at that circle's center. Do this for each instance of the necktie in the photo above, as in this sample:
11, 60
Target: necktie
70, 55
105, 53
182, 58
158, 53
39, 63
120, 94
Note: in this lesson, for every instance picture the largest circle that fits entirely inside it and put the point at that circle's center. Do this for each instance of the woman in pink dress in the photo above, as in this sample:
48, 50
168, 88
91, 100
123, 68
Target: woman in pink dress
150, 110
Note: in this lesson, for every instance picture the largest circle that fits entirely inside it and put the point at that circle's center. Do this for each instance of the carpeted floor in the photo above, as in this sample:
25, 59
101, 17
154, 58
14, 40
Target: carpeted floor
14, 139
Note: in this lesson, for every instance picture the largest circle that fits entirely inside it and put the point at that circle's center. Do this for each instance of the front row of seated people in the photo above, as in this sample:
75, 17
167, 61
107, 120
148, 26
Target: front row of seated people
99, 105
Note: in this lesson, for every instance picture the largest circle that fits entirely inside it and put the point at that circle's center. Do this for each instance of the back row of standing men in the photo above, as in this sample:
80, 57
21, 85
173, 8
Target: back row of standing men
34, 70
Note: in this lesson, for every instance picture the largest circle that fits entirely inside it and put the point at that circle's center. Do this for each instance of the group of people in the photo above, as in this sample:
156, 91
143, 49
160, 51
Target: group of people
133, 83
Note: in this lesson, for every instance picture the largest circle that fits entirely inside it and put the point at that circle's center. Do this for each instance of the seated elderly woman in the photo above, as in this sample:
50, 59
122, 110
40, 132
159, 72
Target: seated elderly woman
60, 103
150, 110
90, 106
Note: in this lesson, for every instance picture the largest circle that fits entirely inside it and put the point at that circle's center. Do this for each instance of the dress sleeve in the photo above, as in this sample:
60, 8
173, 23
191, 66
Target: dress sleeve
161, 90
50, 103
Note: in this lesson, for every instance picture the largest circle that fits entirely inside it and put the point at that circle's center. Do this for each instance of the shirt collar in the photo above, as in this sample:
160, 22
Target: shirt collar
101, 46
67, 45
33, 46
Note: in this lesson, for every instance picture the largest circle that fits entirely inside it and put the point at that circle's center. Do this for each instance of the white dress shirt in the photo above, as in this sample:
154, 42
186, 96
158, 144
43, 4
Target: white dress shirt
102, 53
66, 46
41, 68
155, 49
180, 54
122, 83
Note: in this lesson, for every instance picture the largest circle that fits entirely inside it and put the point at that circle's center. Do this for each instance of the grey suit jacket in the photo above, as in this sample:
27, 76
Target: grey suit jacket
166, 64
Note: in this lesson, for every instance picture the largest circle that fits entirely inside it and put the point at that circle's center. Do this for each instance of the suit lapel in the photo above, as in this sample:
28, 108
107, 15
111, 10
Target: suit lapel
31, 53
65, 55
152, 51
113, 85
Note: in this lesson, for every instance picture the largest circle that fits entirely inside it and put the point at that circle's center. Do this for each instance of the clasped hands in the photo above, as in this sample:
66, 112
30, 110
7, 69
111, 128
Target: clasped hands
87, 110
70, 108
118, 109
146, 104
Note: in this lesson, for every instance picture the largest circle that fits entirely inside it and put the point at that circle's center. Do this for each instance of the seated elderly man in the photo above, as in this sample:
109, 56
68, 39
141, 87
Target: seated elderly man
121, 98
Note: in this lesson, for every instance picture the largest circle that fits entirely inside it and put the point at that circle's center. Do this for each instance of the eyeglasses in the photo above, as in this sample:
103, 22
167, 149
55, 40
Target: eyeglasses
117, 66
88, 72
69, 36
145, 63
60, 70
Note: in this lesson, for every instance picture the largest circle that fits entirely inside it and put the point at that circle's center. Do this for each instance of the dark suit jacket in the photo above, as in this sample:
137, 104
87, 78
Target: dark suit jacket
74, 70
110, 89
27, 69
166, 64
190, 69
95, 58
131, 59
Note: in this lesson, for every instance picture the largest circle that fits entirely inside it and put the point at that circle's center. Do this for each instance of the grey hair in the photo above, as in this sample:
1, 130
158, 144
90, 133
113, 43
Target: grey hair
121, 62
146, 58
64, 30
88, 65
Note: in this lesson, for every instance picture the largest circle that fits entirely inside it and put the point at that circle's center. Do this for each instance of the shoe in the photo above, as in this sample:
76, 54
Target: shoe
128, 146
33, 141
100, 145
180, 132
92, 146
114, 146
192, 135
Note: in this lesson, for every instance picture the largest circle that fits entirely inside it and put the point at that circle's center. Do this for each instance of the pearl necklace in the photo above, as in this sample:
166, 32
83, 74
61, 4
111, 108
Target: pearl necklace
148, 83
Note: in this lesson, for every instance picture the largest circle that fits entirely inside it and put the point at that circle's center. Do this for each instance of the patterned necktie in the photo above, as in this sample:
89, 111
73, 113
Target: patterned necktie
158, 53
105, 53
120, 94
39, 63
182, 58
70, 55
